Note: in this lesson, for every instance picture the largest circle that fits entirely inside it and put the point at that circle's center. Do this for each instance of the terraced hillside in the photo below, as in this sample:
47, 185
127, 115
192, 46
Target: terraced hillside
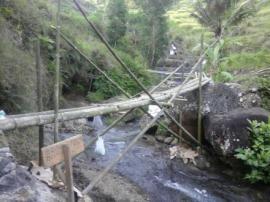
245, 56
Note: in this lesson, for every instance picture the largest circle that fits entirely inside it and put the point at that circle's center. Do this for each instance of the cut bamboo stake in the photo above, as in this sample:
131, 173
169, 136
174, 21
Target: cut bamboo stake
199, 132
119, 156
57, 73
180, 121
39, 99
69, 174
57, 80
132, 75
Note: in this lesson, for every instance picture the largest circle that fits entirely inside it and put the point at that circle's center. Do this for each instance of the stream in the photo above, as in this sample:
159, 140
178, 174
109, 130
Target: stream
148, 167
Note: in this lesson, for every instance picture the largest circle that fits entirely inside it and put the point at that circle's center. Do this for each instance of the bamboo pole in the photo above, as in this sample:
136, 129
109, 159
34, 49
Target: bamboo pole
119, 156
57, 73
132, 75
44, 118
94, 65
199, 133
192, 70
119, 87
168, 77
57, 81
39, 98
109, 127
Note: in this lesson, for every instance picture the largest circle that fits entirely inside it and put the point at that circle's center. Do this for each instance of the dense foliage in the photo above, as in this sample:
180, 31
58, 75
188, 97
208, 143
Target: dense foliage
152, 28
257, 157
117, 20
22, 23
220, 14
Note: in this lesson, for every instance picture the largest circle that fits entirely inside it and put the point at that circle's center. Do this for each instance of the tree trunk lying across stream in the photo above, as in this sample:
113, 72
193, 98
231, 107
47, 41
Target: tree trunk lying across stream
47, 117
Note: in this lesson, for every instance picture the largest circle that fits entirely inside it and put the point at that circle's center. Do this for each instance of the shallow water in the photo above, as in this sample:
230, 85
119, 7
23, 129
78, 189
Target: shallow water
148, 166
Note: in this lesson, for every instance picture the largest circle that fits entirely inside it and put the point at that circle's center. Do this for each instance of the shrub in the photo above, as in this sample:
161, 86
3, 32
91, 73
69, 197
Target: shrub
223, 76
257, 157
264, 90
137, 66
95, 96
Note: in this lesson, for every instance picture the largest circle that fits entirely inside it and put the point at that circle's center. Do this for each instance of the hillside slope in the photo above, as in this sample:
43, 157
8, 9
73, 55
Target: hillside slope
246, 49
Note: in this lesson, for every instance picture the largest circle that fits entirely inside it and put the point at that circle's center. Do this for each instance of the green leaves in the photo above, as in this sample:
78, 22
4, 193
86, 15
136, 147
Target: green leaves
117, 20
220, 14
257, 157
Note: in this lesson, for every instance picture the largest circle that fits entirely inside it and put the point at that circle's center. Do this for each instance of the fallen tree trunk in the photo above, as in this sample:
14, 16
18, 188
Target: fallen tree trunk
47, 117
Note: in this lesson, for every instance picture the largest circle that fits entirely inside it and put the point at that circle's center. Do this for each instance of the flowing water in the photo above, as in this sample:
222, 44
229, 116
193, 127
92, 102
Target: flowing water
97, 123
147, 165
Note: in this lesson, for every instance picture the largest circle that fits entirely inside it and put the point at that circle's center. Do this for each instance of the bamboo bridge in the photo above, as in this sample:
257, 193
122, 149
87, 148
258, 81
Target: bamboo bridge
162, 99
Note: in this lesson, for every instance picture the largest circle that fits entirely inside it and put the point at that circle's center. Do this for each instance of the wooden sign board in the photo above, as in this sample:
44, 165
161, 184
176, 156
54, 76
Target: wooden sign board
53, 154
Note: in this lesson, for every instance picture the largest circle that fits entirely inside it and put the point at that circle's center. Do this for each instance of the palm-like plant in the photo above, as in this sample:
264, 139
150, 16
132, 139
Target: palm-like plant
220, 14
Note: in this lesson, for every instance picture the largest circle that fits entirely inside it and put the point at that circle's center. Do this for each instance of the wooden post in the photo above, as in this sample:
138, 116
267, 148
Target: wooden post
64, 151
69, 175
39, 98
199, 133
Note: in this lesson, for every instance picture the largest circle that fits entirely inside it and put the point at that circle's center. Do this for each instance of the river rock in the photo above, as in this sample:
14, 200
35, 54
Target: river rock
216, 99
160, 138
168, 140
17, 184
174, 142
229, 131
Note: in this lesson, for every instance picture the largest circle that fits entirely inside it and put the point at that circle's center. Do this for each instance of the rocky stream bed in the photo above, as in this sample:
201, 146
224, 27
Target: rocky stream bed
147, 173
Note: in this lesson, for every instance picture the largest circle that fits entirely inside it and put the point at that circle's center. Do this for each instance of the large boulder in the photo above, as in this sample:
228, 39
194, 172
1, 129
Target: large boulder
229, 131
216, 99
17, 184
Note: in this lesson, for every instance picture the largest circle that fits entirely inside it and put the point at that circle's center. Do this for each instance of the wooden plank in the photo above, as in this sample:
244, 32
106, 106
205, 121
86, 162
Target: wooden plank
53, 154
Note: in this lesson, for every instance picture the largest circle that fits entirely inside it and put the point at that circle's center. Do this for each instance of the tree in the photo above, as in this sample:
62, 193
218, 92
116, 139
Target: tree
117, 20
220, 14
155, 27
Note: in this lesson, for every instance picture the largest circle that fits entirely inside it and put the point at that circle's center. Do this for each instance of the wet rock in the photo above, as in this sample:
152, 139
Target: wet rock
152, 130
227, 132
168, 140
174, 142
17, 184
160, 138
217, 99
202, 162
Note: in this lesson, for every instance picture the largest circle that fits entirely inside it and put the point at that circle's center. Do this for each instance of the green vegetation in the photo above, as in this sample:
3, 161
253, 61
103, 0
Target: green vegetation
219, 15
257, 157
117, 20
244, 48
22, 23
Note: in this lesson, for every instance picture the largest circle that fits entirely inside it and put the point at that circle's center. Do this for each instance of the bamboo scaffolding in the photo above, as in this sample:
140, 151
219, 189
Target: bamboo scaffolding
193, 70
123, 91
44, 118
128, 112
132, 75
